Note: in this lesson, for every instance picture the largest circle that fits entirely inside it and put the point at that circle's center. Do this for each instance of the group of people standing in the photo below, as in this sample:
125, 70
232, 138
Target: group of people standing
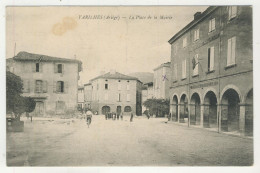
115, 116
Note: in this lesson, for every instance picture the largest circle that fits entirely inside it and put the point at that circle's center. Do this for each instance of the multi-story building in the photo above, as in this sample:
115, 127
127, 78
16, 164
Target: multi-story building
52, 82
161, 81
87, 95
80, 98
116, 92
147, 93
212, 70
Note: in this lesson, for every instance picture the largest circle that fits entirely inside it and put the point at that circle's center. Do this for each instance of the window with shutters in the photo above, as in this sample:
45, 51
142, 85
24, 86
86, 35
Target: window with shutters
106, 86
231, 51
37, 67
184, 42
232, 12
196, 65
60, 86
128, 97
212, 25
196, 34
210, 59
38, 86
184, 69
59, 68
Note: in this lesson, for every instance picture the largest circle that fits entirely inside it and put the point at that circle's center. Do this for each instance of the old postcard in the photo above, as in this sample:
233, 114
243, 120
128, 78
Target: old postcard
129, 86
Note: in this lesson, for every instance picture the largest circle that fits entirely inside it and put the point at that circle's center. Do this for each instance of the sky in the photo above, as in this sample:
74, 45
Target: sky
125, 39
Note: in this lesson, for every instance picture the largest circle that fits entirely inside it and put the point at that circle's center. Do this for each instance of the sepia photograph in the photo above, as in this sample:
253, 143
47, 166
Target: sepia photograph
129, 86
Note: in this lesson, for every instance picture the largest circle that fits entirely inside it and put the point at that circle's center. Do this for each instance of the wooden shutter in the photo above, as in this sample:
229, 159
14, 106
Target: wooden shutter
213, 24
55, 68
35, 86
229, 52
210, 25
233, 51
33, 67
54, 86
211, 67
195, 70
198, 34
66, 87
40, 67
63, 68
45, 86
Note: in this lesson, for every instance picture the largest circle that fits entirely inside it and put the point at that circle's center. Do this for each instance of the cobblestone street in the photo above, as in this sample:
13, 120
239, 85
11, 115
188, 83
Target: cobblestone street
57, 142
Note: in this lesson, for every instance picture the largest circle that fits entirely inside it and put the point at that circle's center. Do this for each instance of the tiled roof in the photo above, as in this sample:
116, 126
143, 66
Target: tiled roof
115, 75
25, 56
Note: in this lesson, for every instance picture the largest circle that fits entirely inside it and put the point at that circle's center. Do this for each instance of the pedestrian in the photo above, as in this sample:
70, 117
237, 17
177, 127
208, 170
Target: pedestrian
131, 117
114, 116
117, 116
121, 115
106, 114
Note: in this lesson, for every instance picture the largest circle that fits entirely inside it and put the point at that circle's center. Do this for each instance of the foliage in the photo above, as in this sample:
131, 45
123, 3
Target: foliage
158, 107
15, 103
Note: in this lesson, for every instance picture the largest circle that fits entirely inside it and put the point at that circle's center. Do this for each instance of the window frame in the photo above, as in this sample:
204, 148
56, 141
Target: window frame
211, 29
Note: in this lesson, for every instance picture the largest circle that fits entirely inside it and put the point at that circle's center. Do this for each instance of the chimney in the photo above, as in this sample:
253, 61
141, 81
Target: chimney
197, 15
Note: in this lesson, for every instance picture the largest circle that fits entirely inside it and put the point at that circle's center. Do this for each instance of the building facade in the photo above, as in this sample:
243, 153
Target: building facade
87, 95
116, 92
161, 81
212, 71
52, 82
80, 98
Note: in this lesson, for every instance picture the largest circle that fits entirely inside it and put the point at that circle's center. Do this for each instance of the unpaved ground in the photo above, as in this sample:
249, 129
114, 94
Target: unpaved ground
121, 143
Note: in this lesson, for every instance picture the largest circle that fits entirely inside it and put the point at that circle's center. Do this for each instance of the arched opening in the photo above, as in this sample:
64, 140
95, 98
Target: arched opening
118, 110
175, 108
249, 116
195, 109
230, 111
105, 110
183, 109
210, 118
127, 109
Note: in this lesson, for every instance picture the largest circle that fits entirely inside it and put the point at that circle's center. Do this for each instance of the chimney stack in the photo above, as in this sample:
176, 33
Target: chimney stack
197, 15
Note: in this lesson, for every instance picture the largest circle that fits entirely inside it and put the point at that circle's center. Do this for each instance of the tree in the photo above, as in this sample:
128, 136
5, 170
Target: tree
159, 107
15, 103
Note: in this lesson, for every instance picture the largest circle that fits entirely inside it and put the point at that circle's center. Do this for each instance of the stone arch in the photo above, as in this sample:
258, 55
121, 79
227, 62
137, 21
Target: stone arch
174, 107
213, 90
230, 109
231, 86
195, 109
210, 117
249, 114
183, 108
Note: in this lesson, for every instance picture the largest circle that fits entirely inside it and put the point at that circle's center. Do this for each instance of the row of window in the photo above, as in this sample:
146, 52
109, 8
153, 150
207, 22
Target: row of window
119, 87
41, 86
58, 68
231, 59
106, 97
232, 12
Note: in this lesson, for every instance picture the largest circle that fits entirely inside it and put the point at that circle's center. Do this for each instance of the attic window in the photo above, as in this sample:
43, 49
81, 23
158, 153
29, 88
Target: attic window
119, 81
106, 80
128, 81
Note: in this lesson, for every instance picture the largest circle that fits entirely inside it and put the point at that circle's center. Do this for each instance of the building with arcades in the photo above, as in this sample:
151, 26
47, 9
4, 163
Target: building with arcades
212, 71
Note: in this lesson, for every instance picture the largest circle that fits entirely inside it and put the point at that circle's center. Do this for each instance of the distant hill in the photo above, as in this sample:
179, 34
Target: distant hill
144, 77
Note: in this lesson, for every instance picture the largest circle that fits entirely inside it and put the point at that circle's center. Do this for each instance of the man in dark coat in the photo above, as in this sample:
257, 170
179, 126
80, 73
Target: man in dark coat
131, 117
